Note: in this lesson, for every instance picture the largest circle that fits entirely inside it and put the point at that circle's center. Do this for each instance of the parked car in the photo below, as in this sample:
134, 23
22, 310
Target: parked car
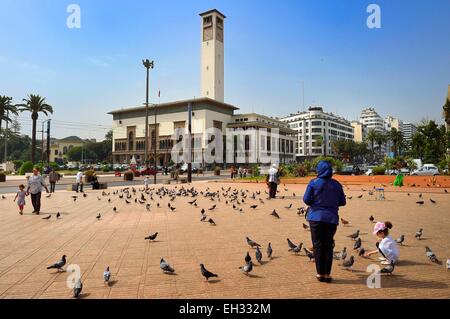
348, 170
426, 170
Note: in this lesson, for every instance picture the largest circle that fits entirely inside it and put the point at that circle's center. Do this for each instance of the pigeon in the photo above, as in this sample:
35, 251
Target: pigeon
247, 258
297, 249
205, 273
275, 214
211, 222
445, 191
388, 269
151, 237
448, 263
77, 289
127, 202
400, 240
342, 255
172, 208
419, 233
58, 215
433, 201
166, 268
291, 244
361, 252
344, 222
59, 265
192, 202
49, 195
430, 254
360, 196
289, 207
420, 195
203, 218
253, 206
421, 202
114, 209
309, 254
371, 219
106, 274
258, 255
99, 216
252, 243
269, 251
354, 235
247, 268
350, 197
357, 244
347, 264
212, 207
48, 217
305, 227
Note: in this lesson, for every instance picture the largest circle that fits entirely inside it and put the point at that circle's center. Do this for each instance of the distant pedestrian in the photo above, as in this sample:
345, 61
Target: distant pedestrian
79, 180
146, 182
232, 172
53, 177
272, 180
245, 172
35, 184
20, 196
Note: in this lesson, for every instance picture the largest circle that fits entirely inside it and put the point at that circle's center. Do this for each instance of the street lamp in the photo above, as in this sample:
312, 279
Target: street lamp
148, 65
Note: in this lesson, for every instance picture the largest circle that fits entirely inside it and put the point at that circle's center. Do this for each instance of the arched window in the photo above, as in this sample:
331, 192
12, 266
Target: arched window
130, 141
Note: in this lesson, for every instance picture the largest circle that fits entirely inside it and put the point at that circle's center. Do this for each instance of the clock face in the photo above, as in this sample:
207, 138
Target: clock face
207, 34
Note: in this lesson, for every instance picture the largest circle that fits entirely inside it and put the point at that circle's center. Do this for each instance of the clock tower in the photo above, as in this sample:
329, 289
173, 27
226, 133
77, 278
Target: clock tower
212, 59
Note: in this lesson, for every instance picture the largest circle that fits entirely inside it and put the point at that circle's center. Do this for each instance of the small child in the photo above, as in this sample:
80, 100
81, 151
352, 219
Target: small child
387, 247
20, 196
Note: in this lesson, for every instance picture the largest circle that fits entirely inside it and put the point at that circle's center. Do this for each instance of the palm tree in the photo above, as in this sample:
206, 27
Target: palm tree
446, 113
396, 137
380, 140
35, 104
371, 137
6, 108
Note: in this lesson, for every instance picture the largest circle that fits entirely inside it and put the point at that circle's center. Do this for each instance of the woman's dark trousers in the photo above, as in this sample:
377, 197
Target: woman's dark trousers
322, 235
36, 202
272, 189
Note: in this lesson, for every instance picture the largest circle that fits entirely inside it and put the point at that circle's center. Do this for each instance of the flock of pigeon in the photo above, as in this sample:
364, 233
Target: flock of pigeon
238, 200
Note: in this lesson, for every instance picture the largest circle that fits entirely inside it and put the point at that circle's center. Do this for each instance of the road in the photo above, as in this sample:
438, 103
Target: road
11, 186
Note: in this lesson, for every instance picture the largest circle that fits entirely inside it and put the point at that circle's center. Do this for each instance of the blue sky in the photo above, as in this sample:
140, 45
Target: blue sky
271, 46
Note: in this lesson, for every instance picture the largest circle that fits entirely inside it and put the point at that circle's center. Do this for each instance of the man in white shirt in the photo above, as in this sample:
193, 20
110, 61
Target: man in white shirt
273, 180
35, 184
79, 179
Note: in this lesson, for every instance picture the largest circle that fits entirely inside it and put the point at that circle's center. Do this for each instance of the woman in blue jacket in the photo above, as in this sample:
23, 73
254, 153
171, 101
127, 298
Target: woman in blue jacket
324, 195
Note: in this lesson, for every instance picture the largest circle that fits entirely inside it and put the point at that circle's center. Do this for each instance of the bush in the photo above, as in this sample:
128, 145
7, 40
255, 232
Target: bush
17, 164
255, 171
128, 176
378, 170
335, 163
105, 168
26, 167
300, 171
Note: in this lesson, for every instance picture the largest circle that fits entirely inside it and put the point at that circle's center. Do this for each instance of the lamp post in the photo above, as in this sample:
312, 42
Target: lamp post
148, 65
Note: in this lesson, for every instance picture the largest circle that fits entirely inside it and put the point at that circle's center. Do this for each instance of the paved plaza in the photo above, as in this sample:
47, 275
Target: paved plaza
28, 244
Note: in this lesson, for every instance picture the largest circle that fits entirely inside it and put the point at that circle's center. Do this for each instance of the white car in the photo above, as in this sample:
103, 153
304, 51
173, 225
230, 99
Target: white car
426, 171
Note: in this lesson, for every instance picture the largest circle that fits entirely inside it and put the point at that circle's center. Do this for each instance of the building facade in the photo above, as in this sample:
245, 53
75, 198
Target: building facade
60, 147
359, 131
409, 129
316, 130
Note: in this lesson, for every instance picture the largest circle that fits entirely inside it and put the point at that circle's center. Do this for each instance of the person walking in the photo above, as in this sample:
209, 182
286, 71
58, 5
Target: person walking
53, 177
35, 184
273, 179
79, 180
20, 197
324, 195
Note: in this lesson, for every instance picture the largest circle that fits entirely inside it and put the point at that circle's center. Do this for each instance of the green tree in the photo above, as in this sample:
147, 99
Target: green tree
430, 142
396, 137
6, 109
380, 139
446, 112
35, 104
371, 138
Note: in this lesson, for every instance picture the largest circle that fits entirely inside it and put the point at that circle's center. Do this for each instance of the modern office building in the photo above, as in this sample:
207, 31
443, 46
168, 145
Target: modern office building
316, 130
208, 111
409, 129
